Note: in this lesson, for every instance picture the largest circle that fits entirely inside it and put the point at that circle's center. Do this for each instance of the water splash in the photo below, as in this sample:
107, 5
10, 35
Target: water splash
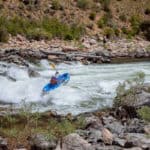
91, 87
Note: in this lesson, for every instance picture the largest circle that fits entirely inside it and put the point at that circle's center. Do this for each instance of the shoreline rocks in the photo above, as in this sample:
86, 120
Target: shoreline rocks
112, 51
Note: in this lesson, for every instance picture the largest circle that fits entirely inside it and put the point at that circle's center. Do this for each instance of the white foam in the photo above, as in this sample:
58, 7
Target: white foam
90, 87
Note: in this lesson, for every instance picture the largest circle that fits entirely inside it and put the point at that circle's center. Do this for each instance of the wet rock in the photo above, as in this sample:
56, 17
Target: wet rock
3, 144
40, 142
107, 136
75, 142
33, 73
104, 53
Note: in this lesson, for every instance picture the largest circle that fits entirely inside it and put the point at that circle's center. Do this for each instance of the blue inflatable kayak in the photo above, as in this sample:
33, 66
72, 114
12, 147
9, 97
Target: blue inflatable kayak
64, 78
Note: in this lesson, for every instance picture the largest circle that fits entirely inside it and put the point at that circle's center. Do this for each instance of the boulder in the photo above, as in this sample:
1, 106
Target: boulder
93, 122
75, 142
137, 140
40, 142
115, 127
107, 136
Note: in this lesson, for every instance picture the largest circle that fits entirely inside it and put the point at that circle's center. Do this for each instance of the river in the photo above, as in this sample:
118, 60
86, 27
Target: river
91, 86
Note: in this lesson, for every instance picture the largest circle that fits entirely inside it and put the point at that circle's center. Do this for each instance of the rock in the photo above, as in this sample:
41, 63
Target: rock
75, 142
83, 133
147, 129
107, 136
52, 57
133, 148
40, 142
3, 144
119, 141
93, 122
115, 127
137, 140
104, 53
135, 126
108, 120
94, 136
104, 147
33, 73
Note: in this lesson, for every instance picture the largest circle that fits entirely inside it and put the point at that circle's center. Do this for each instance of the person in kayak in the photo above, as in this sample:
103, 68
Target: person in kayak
54, 78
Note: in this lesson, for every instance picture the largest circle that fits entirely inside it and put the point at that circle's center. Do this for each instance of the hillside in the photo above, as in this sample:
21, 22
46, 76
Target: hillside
70, 19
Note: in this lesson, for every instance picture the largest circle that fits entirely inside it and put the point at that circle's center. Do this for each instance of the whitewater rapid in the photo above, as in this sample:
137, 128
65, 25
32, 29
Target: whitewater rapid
91, 86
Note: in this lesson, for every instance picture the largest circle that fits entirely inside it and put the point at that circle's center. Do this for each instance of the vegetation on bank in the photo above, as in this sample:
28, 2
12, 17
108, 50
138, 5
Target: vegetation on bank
18, 128
126, 92
126, 95
38, 29
144, 113
70, 20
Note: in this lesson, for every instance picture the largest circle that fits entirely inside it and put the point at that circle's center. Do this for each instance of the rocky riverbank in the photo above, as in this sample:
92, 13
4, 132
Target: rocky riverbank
102, 130
88, 50
126, 127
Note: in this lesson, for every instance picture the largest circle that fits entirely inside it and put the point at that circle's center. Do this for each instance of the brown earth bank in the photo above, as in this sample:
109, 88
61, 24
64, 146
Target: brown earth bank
87, 50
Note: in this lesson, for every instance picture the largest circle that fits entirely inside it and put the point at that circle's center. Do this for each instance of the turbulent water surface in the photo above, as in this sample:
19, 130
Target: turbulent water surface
90, 87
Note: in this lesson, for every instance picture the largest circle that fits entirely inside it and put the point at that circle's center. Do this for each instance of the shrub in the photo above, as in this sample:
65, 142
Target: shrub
147, 11
145, 28
103, 21
144, 113
108, 32
41, 29
106, 5
38, 34
56, 5
83, 4
123, 17
126, 91
4, 36
92, 15
135, 24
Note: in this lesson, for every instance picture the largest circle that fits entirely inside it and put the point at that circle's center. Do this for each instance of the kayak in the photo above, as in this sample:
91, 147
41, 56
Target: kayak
62, 79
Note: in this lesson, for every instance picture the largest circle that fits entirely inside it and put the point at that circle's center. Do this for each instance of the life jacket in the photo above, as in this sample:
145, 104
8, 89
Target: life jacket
53, 80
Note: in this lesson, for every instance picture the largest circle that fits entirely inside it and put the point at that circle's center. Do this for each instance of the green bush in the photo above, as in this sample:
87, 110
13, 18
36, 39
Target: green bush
108, 32
103, 21
144, 113
135, 24
92, 15
4, 36
41, 29
126, 91
84, 4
